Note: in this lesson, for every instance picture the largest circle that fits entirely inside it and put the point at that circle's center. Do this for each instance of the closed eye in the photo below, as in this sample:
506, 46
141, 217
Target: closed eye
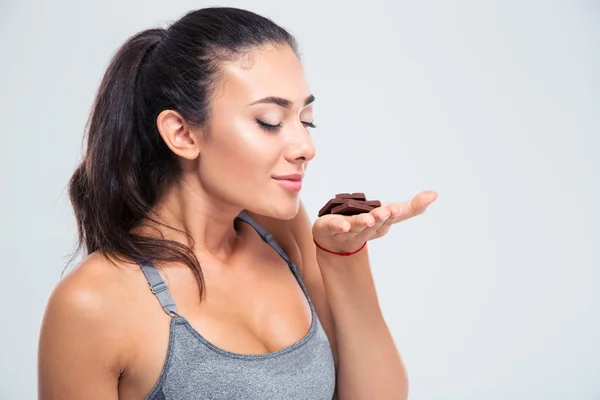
275, 128
268, 127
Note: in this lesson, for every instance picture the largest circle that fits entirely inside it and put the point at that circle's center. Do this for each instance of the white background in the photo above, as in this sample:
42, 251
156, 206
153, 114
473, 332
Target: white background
491, 294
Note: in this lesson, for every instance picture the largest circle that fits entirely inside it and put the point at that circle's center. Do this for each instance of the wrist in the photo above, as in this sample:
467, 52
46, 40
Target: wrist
338, 252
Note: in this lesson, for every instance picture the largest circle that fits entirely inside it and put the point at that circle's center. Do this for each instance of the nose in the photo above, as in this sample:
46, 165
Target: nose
301, 147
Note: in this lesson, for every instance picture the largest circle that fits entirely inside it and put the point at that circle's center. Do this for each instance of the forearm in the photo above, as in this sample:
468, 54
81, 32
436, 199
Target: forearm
369, 366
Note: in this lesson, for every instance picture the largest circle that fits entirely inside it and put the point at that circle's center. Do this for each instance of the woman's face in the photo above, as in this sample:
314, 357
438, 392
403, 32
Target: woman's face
258, 145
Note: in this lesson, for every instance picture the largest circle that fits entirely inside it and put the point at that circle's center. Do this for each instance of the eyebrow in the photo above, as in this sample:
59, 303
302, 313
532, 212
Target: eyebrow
285, 103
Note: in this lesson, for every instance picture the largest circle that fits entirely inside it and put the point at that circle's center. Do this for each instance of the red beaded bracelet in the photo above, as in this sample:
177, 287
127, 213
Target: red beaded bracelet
339, 254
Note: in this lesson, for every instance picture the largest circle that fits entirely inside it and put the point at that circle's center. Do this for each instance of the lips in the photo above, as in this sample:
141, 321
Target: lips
292, 177
291, 182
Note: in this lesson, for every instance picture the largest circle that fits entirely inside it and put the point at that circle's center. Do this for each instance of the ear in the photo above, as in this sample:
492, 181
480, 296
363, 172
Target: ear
178, 135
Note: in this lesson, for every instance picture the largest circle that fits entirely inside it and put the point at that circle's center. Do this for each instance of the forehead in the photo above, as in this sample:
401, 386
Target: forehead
268, 71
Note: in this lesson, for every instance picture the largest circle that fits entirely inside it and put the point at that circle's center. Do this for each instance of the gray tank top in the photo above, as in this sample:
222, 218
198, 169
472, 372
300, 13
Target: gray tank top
197, 369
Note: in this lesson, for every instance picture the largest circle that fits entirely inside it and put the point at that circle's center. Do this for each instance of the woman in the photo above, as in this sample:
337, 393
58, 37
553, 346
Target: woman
203, 279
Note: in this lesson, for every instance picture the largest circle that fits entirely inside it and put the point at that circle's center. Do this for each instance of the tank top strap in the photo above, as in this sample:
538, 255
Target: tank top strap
268, 237
159, 287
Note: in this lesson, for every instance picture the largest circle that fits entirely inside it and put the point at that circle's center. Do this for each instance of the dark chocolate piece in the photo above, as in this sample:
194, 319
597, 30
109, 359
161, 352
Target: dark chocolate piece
349, 204
351, 208
353, 196
330, 205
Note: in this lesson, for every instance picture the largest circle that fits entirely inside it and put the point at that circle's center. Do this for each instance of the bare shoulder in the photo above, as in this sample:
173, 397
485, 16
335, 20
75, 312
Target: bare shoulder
89, 290
81, 335
85, 300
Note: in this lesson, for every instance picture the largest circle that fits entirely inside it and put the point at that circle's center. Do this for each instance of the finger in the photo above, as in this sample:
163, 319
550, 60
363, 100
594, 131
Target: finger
379, 216
367, 220
338, 225
361, 222
408, 209
383, 227
382, 231
421, 201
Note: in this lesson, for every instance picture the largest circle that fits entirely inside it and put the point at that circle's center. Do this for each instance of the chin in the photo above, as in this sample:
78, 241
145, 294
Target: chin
284, 209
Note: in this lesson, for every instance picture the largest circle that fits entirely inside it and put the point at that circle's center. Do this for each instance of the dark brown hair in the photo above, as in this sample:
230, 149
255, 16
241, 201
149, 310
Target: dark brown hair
126, 165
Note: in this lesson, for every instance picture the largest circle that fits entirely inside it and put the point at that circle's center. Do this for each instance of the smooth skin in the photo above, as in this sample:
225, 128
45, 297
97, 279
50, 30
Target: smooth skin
104, 334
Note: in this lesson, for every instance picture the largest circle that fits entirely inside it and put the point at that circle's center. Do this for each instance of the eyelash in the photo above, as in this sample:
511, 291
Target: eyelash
275, 128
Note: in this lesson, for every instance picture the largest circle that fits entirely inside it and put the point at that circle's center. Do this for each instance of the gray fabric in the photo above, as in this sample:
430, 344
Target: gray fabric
196, 369
159, 288
159, 395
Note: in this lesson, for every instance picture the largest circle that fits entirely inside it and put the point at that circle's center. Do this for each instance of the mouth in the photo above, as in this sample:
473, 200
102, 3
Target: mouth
291, 182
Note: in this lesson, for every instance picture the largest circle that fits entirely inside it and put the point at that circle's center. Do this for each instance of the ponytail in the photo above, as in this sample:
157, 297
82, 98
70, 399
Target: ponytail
108, 162
109, 192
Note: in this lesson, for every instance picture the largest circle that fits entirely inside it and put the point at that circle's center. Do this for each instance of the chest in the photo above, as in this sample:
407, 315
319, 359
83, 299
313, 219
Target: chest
253, 312
195, 369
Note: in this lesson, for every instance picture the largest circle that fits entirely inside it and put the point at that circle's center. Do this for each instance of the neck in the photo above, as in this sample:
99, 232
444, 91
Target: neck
208, 221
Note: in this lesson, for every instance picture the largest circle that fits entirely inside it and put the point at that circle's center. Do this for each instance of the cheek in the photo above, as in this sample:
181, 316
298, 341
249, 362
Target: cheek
254, 150
239, 159
249, 151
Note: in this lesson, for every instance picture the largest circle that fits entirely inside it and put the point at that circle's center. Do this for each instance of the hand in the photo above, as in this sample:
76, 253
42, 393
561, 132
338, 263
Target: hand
345, 234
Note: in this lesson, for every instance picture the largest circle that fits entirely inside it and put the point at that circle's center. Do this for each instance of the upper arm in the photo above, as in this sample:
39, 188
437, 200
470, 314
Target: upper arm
78, 356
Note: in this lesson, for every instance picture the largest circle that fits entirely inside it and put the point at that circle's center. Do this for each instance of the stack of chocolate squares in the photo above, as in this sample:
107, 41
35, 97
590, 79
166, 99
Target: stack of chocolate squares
349, 204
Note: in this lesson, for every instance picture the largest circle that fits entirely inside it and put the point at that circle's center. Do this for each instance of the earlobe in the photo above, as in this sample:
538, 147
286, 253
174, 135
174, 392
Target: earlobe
177, 134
